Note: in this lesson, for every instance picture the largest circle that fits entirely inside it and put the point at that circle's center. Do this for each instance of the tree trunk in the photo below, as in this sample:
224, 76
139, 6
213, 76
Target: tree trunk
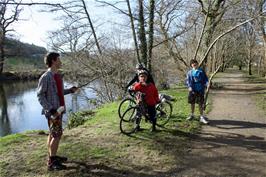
214, 11
223, 61
92, 27
133, 31
2, 55
151, 23
259, 66
207, 39
249, 67
262, 26
142, 34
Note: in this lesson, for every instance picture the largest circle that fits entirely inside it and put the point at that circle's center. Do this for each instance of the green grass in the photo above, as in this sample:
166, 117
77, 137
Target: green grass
260, 98
21, 63
98, 147
11, 140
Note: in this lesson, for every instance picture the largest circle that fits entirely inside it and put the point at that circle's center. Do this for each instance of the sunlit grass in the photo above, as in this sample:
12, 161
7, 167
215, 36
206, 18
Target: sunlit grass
99, 141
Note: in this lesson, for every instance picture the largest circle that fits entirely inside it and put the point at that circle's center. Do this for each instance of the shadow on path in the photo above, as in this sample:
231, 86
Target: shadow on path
76, 168
235, 124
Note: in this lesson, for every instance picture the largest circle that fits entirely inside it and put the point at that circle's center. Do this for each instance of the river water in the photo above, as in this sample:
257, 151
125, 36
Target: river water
20, 110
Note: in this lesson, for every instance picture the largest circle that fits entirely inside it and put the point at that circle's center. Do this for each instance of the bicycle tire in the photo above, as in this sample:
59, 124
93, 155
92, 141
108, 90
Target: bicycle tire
123, 106
128, 121
163, 113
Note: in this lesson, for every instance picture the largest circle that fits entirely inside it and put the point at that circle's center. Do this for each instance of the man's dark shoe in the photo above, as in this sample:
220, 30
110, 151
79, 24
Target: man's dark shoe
56, 165
60, 158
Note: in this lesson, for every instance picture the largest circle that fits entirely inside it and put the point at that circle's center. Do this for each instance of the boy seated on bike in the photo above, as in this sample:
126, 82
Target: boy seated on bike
151, 96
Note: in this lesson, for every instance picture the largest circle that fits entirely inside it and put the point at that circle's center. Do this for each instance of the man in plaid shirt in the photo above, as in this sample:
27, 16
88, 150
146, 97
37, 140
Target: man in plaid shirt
50, 93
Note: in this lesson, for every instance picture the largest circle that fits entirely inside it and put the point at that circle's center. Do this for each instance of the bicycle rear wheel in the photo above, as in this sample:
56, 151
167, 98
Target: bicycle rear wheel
128, 121
163, 113
124, 105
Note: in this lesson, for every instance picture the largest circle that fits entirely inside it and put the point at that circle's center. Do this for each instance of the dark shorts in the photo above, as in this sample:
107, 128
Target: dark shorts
55, 126
195, 97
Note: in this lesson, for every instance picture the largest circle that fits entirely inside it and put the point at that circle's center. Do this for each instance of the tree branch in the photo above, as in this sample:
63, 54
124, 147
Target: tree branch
30, 4
223, 34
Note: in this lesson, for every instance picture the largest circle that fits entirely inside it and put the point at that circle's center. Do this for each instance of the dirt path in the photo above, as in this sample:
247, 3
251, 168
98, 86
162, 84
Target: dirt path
234, 144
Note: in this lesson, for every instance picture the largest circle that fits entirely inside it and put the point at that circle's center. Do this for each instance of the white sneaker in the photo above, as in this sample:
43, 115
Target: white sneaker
203, 120
190, 117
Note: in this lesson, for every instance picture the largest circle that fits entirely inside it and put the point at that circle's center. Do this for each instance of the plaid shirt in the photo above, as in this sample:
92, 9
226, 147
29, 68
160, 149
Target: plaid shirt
47, 92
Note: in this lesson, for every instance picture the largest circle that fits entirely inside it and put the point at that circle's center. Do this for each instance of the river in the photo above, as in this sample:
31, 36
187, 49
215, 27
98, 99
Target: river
20, 110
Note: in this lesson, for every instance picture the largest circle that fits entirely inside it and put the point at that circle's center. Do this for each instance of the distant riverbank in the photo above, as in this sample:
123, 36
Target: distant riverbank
25, 75
31, 75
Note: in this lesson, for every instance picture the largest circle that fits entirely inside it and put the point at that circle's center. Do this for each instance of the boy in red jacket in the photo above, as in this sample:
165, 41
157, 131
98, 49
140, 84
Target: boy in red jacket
151, 95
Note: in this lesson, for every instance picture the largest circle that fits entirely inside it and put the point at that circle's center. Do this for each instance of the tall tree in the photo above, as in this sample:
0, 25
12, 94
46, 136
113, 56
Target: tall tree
214, 10
142, 33
133, 30
262, 27
151, 33
8, 15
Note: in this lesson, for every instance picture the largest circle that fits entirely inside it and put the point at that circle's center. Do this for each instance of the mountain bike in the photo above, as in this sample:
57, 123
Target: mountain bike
132, 116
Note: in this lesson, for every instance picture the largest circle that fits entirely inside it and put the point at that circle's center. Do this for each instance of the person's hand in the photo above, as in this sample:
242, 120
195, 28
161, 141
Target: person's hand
189, 89
56, 119
54, 115
73, 89
143, 83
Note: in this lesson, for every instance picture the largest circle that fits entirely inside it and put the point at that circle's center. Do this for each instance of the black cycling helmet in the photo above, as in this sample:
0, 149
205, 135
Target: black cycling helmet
139, 66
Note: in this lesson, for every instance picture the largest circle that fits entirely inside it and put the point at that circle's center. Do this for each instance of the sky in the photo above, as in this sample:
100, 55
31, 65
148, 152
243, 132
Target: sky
34, 26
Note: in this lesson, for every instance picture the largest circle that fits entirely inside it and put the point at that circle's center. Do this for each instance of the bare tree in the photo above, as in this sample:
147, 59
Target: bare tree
214, 10
262, 27
170, 28
8, 16
133, 30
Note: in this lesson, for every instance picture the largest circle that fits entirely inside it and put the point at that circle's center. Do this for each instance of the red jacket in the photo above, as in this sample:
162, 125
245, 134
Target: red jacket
151, 93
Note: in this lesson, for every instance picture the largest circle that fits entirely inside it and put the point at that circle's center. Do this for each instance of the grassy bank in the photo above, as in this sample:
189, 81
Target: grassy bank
23, 63
261, 97
97, 148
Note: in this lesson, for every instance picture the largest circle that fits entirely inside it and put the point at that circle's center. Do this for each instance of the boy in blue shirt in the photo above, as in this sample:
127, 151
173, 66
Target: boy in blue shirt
197, 81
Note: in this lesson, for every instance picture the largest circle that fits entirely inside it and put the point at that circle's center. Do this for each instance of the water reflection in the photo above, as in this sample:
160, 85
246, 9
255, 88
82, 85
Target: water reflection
21, 111
4, 120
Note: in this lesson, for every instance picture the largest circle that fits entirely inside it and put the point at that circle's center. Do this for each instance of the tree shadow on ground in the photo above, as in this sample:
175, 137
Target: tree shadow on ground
235, 124
219, 139
77, 168
226, 138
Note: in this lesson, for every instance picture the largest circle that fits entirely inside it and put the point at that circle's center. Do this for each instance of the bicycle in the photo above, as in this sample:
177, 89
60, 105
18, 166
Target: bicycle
131, 118
165, 106
126, 103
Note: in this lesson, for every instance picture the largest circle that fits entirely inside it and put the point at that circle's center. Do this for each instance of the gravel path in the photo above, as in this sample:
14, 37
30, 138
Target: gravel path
234, 143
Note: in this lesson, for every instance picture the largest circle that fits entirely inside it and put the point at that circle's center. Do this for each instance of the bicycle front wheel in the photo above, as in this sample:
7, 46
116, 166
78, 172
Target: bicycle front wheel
124, 105
128, 121
163, 113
